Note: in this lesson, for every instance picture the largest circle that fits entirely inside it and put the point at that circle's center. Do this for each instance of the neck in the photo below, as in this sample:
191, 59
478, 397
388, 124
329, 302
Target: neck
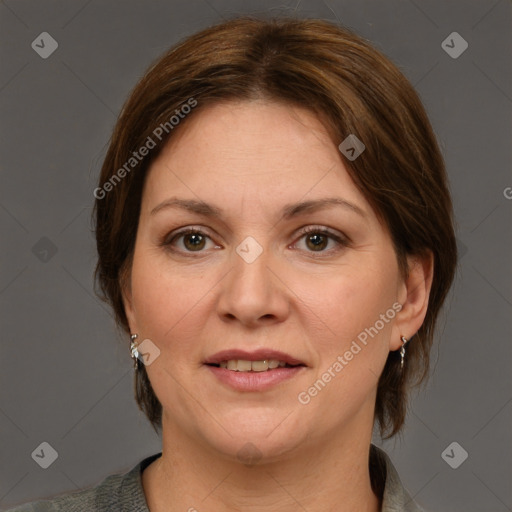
190, 477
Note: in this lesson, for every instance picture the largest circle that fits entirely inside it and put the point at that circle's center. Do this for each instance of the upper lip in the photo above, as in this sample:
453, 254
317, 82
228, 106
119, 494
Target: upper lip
256, 355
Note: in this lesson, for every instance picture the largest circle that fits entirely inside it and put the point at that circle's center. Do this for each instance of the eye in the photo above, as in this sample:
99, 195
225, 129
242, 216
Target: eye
193, 240
318, 238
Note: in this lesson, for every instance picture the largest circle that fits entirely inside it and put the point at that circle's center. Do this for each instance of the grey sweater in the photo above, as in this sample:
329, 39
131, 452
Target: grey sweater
124, 492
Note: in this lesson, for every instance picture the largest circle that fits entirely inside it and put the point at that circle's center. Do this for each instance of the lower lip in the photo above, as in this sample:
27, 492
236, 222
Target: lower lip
254, 381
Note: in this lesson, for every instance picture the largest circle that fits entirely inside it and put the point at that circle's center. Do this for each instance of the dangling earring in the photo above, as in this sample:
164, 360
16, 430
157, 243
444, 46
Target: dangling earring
134, 350
402, 352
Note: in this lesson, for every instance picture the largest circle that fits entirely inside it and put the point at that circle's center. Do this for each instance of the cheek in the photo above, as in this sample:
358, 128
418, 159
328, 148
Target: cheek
352, 303
164, 300
350, 341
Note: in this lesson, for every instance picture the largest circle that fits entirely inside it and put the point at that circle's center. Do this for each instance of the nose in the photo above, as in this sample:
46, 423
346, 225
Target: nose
253, 292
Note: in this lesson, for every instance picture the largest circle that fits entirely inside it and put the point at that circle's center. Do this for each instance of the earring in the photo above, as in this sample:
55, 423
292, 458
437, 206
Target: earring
402, 351
134, 350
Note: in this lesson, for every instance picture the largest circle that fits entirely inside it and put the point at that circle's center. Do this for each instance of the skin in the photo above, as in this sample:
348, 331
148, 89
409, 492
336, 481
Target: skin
191, 301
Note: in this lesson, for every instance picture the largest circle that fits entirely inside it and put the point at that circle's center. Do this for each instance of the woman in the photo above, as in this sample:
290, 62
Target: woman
275, 236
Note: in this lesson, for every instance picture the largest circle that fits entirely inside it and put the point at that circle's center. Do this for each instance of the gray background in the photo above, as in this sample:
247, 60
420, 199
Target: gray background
66, 375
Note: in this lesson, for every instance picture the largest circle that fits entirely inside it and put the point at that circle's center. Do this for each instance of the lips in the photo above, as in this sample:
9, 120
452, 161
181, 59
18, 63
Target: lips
256, 355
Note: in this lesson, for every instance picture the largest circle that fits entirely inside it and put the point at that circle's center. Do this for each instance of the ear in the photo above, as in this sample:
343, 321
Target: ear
413, 295
126, 293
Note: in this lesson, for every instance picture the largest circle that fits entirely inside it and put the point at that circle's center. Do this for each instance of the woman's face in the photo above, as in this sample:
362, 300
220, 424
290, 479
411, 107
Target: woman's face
251, 278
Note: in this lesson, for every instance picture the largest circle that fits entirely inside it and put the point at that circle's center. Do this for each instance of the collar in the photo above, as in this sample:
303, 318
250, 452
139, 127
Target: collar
384, 478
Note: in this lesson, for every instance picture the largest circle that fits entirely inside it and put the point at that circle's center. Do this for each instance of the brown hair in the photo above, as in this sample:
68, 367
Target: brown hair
355, 90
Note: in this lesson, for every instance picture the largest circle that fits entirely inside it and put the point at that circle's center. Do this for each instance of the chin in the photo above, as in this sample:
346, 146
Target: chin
254, 444
258, 450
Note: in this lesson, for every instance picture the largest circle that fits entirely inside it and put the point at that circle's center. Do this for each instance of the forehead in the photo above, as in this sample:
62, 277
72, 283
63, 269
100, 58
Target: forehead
235, 154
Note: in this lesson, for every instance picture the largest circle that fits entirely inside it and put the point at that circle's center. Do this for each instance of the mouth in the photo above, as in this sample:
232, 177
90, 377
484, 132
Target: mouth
261, 360
244, 365
258, 371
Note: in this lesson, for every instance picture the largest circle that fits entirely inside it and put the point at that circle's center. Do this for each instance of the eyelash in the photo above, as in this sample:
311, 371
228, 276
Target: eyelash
341, 241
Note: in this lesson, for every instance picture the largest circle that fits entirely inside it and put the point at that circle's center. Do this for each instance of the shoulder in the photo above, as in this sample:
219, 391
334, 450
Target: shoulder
395, 497
120, 492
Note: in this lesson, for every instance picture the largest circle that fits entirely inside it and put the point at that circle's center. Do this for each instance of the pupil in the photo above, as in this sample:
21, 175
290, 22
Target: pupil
194, 240
320, 241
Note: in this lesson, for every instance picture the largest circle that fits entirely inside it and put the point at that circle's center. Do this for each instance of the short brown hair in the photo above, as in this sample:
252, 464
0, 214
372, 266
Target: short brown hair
354, 89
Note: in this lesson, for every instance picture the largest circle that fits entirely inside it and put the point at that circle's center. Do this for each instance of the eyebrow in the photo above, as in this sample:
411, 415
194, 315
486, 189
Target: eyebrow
289, 211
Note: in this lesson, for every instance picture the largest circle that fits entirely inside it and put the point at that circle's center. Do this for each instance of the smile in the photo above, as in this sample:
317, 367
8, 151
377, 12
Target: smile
242, 365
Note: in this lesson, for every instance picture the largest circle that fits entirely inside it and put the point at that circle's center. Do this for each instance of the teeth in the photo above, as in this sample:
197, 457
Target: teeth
241, 365
244, 366
257, 366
